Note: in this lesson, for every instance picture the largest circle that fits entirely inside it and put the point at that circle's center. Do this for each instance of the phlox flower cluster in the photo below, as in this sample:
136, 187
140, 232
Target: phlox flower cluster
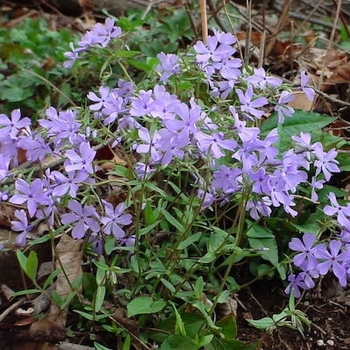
315, 259
99, 36
166, 130
60, 137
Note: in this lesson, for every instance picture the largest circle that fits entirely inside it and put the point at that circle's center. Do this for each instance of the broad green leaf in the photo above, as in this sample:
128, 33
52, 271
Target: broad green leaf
228, 326
144, 305
28, 264
263, 240
178, 342
224, 344
301, 121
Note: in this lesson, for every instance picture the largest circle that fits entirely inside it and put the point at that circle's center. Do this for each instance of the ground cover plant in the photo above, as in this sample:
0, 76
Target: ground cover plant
176, 179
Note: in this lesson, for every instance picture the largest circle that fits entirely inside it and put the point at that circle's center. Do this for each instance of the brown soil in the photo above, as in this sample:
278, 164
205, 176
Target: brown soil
327, 308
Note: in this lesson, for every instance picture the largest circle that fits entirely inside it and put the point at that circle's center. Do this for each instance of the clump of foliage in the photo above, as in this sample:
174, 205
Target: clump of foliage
200, 181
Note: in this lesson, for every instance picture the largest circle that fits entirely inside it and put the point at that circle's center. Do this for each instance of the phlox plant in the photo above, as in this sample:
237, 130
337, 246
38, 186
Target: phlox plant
205, 174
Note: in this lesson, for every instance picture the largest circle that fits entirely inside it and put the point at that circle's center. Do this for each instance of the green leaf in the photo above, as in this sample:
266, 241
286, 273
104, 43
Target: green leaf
264, 323
144, 305
28, 264
101, 347
262, 239
178, 342
99, 297
190, 240
228, 326
172, 220
301, 121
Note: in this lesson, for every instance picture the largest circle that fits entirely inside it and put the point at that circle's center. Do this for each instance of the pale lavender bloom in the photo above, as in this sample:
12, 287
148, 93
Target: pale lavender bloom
165, 105
326, 162
82, 161
309, 92
168, 66
9, 128
4, 166
100, 35
333, 259
143, 170
244, 133
63, 127
115, 218
249, 105
342, 212
316, 185
67, 184
212, 51
281, 108
150, 144
171, 145
259, 179
114, 107
303, 144
227, 179
305, 248
37, 148
296, 282
259, 208
260, 79
34, 194
99, 101
22, 226
72, 55
230, 69
207, 198
84, 219
142, 105
214, 144
224, 38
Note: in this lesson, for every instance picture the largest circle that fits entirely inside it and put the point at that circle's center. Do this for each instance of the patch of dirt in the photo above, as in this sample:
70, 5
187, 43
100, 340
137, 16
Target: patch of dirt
327, 307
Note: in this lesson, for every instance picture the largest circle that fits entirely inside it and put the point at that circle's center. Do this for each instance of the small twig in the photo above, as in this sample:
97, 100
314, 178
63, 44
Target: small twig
204, 20
11, 308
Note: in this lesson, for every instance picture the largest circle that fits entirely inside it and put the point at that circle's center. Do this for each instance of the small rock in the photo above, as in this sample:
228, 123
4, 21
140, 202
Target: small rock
320, 342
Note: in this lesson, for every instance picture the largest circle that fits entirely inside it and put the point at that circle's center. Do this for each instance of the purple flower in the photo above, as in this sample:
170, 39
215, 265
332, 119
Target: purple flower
22, 226
333, 259
82, 161
115, 218
306, 249
9, 128
309, 92
84, 219
72, 56
259, 208
281, 108
167, 66
37, 148
342, 212
227, 179
67, 184
296, 282
150, 144
213, 50
142, 105
325, 162
99, 101
249, 105
34, 194
214, 144
260, 79
4, 166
